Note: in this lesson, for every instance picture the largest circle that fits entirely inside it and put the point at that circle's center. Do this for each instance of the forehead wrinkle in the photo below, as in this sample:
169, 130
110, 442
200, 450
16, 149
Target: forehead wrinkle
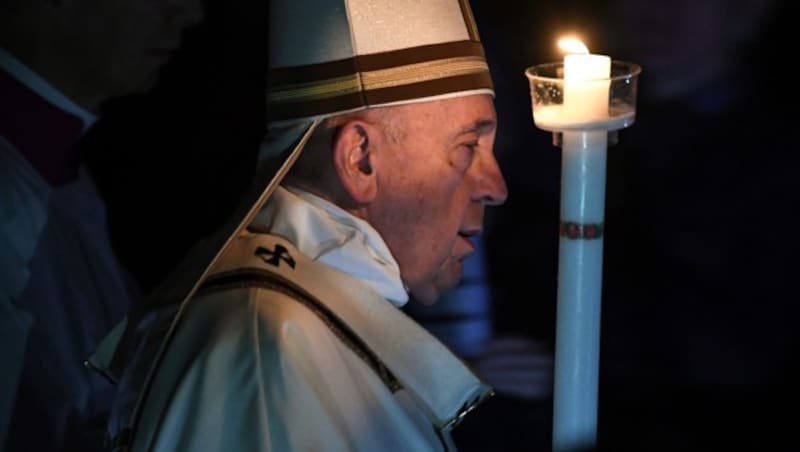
481, 127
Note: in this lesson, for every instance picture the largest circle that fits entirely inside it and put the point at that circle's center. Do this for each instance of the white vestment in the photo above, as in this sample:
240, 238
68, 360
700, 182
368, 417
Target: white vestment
292, 344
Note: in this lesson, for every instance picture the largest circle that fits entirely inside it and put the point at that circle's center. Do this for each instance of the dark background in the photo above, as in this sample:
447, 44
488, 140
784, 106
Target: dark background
699, 297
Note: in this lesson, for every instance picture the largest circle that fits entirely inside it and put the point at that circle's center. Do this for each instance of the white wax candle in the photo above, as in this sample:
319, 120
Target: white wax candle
580, 276
586, 100
586, 87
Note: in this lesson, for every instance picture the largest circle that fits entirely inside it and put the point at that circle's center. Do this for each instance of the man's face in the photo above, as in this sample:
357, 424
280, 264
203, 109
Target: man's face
434, 180
126, 42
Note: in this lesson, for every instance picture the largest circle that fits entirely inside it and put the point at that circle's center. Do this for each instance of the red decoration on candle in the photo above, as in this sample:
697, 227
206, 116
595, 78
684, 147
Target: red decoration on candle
574, 231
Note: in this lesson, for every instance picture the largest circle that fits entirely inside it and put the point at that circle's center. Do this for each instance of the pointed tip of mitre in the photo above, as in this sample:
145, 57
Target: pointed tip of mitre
338, 56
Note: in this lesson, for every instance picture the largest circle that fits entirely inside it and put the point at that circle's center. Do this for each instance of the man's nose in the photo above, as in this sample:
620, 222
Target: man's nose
492, 188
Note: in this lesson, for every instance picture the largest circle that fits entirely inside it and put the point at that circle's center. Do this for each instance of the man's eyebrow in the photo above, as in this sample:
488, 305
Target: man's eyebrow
480, 127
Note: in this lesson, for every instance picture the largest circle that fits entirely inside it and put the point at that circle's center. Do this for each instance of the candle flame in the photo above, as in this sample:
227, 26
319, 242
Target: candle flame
572, 45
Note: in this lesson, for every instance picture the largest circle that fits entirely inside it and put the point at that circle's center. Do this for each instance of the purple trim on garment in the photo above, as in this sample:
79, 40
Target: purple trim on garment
46, 135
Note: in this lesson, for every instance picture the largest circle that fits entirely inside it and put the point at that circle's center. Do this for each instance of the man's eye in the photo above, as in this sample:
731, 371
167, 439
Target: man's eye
464, 154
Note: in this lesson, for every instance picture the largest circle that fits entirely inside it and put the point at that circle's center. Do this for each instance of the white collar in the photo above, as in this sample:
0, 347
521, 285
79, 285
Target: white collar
328, 234
42, 87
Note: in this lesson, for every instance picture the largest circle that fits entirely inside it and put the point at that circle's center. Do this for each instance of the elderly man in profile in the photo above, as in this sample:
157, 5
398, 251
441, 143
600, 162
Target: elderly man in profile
294, 340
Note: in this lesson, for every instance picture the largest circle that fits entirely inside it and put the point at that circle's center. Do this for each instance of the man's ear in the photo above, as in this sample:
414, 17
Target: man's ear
353, 160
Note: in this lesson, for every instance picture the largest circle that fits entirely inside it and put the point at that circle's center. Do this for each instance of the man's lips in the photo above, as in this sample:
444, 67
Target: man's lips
466, 236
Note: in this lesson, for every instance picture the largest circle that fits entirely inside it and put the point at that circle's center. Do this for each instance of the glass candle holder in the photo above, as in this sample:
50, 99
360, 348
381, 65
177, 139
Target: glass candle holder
549, 91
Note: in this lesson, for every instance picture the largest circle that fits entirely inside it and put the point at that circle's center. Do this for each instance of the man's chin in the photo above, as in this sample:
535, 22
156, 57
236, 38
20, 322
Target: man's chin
444, 282
427, 296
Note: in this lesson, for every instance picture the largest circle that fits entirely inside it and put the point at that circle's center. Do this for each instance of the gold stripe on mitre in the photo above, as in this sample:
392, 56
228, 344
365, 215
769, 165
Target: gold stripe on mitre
378, 79
321, 89
423, 72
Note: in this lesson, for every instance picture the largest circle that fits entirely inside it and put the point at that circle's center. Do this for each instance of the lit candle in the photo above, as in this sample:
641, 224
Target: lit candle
585, 87
586, 83
580, 102
583, 172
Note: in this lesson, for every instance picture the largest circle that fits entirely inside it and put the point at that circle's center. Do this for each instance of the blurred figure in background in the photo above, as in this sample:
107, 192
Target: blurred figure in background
61, 286
187, 147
